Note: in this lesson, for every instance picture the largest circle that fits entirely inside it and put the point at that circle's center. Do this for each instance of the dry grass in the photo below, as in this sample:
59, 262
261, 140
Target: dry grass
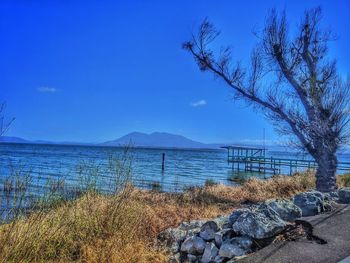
343, 180
122, 228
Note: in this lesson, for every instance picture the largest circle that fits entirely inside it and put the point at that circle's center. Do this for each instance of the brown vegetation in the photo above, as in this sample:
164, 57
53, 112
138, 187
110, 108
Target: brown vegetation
122, 228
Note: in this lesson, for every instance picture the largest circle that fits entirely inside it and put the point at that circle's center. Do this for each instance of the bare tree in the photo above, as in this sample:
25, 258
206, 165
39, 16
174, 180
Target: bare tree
291, 79
4, 125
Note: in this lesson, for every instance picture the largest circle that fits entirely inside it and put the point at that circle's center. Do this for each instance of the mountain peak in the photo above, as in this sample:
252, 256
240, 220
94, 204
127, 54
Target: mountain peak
156, 139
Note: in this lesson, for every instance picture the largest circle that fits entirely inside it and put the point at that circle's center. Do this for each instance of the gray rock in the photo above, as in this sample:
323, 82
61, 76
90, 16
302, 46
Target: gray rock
175, 258
210, 252
259, 222
193, 224
228, 250
208, 230
310, 203
193, 245
218, 239
331, 196
334, 194
237, 246
224, 235
193, 258
286, 209
222, 221
235, 214
329, 206
244, 242
344, 195
219, 259
318, 194
172, 237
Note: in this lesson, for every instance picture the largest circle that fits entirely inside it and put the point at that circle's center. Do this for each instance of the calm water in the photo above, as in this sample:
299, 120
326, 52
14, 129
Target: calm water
77, 164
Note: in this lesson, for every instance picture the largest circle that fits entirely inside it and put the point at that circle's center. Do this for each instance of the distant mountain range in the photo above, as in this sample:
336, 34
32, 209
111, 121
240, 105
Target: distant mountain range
138, 139
153, 140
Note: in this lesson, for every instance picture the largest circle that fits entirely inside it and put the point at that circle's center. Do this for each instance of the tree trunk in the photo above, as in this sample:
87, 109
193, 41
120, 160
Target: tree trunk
326, 172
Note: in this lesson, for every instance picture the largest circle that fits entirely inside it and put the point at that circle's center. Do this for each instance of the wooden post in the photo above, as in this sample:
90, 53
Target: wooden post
163, 159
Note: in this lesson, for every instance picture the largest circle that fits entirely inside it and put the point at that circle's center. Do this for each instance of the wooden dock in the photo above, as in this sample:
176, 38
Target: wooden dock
251, 159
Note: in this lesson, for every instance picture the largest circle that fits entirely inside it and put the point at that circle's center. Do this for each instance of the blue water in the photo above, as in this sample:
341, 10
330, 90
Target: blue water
76, 165
71, 163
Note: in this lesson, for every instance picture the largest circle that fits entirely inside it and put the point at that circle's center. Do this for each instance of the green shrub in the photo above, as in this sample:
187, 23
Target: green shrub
210, 182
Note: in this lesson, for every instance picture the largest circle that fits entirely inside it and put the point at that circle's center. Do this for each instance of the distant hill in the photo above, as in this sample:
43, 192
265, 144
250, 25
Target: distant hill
11, 139
156, 139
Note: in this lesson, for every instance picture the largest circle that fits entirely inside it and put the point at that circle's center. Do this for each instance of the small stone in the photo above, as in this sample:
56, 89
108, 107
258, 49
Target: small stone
208, 230
210, 252
193, 245
175, 258
171, 238
286, 209
331, 196
222, 221
328, 206
219, 259
218, 239
334, 194
344, 195
224, 235
318, 194
193, 224
237, 246
228, 250
192, 258
311, 203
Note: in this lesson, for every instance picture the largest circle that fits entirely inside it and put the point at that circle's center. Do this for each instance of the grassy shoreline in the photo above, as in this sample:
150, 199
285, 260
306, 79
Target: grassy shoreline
123, 227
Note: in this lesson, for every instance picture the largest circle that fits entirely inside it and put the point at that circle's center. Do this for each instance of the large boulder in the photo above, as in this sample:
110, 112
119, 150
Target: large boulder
311, 203
286, 209
259, 222
237, 246
344, 195
193, 245
208, 230
235, 215
210, 252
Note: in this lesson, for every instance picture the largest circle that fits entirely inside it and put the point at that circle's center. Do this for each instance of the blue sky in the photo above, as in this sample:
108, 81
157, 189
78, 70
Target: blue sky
92, 71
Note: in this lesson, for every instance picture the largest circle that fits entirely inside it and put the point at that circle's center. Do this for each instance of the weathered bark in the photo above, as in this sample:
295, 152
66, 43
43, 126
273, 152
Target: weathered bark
326, 172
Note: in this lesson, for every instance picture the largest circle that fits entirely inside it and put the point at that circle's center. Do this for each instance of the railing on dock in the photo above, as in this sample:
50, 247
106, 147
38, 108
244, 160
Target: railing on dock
252, 159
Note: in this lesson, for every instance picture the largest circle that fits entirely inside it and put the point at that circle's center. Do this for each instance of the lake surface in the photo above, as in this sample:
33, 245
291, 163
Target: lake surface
47, 165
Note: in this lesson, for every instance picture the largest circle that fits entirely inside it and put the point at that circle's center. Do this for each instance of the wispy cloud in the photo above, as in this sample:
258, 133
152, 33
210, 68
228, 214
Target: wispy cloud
46, 89
199, 103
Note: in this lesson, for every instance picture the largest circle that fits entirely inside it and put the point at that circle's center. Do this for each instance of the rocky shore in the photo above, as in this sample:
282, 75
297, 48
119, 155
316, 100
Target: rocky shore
247, 229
